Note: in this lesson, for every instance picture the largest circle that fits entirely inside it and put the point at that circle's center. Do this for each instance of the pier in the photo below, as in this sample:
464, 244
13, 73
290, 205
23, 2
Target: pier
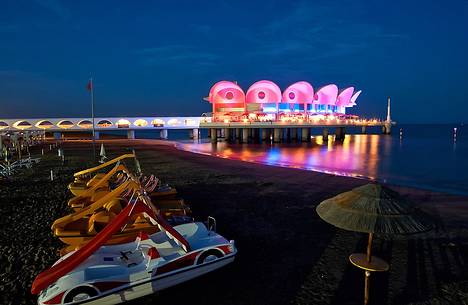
60, 126
277, 132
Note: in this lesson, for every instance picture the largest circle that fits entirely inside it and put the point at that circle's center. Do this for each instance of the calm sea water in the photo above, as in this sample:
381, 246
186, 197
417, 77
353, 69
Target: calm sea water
426, 156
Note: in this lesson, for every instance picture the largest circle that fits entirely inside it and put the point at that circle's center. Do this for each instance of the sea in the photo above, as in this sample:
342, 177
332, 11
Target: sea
433, 157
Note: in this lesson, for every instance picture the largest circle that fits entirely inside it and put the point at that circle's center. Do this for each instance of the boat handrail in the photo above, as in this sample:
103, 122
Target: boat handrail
101, 166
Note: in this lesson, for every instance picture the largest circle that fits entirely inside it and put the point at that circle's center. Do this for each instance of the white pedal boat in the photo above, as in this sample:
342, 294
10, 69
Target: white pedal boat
117, 273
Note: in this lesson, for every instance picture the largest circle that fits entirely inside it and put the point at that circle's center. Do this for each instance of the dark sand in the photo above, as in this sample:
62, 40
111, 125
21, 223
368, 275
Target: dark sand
287, 254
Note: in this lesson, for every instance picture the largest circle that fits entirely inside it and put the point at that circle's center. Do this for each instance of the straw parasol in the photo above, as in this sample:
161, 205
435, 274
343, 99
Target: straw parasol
372, 208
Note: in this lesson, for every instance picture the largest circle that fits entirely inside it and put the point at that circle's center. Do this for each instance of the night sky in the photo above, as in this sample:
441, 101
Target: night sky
161, 58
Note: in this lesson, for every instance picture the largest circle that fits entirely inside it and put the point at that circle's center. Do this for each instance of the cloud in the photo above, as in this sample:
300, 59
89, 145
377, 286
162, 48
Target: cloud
56, 7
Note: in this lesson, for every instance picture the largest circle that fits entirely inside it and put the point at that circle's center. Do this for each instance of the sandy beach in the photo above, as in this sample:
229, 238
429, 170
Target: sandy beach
287, 254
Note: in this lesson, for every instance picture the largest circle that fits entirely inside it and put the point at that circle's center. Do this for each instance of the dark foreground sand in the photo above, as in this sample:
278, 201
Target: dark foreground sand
287, 254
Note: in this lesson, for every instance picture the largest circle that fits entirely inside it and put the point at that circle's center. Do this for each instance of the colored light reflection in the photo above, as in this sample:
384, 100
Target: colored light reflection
356, 156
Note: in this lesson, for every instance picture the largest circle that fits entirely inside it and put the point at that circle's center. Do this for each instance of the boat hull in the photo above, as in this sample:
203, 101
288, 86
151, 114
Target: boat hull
154, 284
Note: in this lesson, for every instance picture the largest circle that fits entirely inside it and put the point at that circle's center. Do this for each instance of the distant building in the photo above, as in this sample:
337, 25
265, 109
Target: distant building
265, 101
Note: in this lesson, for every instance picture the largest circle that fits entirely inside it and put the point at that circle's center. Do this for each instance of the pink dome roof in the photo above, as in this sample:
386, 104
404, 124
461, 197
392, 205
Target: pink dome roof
300, 92
326, 95
353, 99
226, 92
344, 97
263, 91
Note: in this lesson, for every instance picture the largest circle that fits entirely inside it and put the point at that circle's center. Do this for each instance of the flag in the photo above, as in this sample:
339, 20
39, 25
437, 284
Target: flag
90, 85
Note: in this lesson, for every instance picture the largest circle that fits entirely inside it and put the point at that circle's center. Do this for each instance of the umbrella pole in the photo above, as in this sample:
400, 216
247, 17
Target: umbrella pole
367, 273
366, 287
369, 247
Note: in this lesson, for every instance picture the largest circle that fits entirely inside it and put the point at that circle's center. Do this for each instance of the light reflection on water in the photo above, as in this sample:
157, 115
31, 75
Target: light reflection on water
419, 160
341, 158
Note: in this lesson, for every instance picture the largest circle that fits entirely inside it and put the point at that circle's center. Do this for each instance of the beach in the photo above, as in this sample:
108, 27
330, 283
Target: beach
286, 253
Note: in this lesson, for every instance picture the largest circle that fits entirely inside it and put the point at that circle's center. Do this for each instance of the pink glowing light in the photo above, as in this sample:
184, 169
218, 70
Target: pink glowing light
327, 95
226, 92
353, 99
300, 92
344, 97
263, 91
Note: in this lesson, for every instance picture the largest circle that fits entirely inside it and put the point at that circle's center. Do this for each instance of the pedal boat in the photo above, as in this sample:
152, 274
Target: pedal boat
84, 181
98, 274
77, 229
80, 227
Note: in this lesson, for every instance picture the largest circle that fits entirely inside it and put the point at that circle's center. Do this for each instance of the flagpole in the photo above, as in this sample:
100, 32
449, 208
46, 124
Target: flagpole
92, 118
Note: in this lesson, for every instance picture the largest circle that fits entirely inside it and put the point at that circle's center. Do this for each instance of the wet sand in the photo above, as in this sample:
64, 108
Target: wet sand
287, 254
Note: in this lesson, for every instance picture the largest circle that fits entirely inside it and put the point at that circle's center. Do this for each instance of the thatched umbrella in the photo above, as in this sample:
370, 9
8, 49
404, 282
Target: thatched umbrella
372, 208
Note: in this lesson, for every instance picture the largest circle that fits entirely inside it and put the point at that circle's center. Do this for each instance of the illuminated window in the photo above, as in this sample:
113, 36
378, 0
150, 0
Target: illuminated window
123, 123
140, 123
65, 124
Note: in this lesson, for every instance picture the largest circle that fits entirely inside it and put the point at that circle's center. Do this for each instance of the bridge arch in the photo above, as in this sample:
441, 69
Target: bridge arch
44, 124
85, 124
22, 125
123, 123
3, 125
104, 124
65, 124
158, 123
141, 123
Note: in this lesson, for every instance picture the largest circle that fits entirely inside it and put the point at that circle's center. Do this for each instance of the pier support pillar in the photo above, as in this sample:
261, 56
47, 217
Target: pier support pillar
363, 129
238, 134
256, 135
195, 133
265, 134
214, 135
277, 135
96, 135
387, 128
294, 132
325, 134
340, 133
305, 134
245, 135
226, 134
163, 134
130, 134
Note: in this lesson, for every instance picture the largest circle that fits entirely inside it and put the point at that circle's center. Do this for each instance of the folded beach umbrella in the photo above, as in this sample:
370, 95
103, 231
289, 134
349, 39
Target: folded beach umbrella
372, 208
102, 154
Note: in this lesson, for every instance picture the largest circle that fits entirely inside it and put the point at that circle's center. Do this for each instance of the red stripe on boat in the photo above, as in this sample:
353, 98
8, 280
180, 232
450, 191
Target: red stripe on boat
143, 236
153, 253
226, 249
184, 261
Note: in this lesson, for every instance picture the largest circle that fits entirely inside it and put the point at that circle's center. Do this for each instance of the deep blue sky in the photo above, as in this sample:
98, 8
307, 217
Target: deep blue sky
161, 58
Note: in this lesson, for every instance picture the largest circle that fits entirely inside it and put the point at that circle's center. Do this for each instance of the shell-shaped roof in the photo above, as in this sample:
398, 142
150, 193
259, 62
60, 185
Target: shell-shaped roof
263, 91
352, 101
300, 92
326, 95
344, 97
226, 92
